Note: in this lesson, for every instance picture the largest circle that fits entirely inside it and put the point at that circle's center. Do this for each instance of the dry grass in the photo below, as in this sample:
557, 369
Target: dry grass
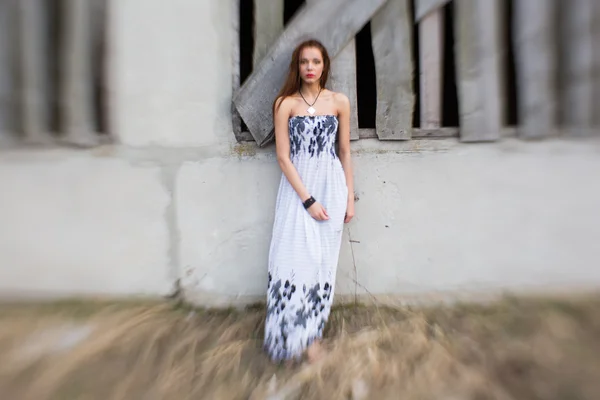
515, 349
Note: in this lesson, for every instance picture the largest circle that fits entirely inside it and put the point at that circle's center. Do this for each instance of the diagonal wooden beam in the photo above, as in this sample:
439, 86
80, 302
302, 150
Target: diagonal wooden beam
391, 32
333, 22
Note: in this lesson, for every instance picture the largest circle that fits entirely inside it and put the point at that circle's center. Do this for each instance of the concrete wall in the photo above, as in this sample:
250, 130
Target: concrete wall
171, 72
178, 200
434, 217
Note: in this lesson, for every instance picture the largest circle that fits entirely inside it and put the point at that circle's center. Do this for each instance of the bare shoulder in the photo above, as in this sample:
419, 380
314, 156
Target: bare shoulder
341, 100
284, 105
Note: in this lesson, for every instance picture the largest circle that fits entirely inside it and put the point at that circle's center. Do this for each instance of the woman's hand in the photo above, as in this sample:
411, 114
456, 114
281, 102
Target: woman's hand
349, 211
318, 212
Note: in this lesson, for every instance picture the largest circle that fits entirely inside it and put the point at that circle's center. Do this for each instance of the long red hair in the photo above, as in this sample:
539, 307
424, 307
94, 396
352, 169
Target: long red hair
293, 81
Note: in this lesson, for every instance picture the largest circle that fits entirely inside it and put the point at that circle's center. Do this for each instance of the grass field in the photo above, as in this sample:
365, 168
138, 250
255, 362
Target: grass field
517, 348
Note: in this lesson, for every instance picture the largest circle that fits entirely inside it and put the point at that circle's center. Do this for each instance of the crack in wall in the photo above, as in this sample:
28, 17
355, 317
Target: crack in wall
168, 179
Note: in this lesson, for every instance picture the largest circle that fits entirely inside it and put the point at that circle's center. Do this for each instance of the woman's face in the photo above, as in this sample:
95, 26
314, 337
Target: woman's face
311, 64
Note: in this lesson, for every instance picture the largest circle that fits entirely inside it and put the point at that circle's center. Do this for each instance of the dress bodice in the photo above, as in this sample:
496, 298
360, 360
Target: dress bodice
313, 135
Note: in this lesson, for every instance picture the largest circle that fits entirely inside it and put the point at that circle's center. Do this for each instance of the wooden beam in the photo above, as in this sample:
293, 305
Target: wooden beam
76, 96
253, 100
268, 25
236, 119
480, 74
596, 64
7, 78
100, 63
424, 7
536, 67
343, 79
391, 31
33, 70
577, 107
431, 52
417, 133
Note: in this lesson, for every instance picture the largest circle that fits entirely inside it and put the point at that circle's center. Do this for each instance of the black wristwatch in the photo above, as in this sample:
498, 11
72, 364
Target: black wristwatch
309, 202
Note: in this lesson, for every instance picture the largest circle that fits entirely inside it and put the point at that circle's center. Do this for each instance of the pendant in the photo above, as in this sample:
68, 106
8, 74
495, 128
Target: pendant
311, 110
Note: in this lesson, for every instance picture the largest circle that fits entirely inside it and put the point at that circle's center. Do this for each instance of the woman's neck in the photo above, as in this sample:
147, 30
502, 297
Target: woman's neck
310, 89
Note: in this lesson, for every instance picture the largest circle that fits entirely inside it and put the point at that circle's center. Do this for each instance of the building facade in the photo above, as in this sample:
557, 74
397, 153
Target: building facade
175, 194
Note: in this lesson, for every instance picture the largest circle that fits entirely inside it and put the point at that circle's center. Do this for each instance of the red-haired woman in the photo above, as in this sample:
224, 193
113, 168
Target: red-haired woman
314, 200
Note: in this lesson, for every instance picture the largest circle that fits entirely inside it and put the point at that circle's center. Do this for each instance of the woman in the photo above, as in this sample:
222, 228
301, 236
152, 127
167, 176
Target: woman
315, 198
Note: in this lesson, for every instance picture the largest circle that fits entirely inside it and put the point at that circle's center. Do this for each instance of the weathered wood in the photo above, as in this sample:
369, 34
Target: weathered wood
7, 51
391, 31
343, 79
596, 64
99, 34
431, 50
576, 102
480, 74
254, 98
424, 7
75, 93
268, 25
33, 69
236, 120
417, 133
435, 133
536, 67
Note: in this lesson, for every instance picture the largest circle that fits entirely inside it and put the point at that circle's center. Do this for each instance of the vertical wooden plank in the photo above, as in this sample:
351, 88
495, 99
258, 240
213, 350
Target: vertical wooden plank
7, 50
343, 79
536, 59
236, 120
75, 93
596, 64
268, 25
424, 7
576, 65
480, 74
431, 50
391, 31
99, 10
33, 69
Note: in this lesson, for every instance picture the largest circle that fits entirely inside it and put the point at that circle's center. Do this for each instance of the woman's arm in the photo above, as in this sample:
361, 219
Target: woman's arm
345, 157
282, 145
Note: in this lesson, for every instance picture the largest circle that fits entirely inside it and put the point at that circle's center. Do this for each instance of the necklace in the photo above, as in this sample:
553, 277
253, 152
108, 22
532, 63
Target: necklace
310, 108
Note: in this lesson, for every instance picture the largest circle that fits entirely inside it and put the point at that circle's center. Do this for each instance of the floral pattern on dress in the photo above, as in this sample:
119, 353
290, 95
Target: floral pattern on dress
289, 309
304, 253
313, 134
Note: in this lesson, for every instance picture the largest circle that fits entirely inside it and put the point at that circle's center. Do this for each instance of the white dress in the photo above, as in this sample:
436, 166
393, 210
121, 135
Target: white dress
304, 253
